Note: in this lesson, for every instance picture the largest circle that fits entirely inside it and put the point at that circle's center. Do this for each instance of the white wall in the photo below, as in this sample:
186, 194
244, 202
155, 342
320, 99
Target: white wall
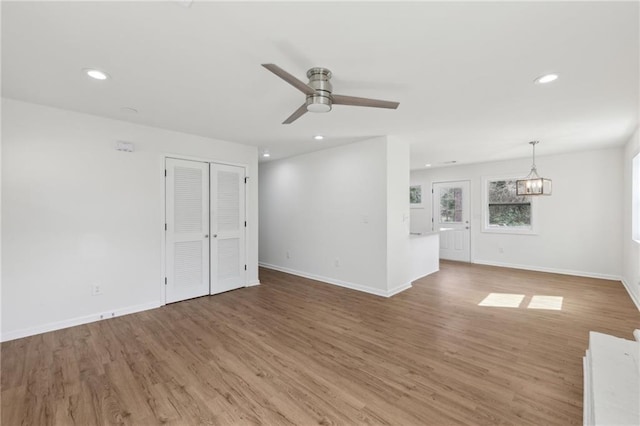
579, 225
77, 212
399, 248
630, 248
348, 204
0, 218
324, 206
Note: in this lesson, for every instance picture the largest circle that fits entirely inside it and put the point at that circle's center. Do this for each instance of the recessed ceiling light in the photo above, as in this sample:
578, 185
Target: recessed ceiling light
547, 78
96, 74
427, 165
266, 154
318, 137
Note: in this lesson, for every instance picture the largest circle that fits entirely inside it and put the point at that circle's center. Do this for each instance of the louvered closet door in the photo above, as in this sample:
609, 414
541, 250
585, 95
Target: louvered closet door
227, 228
187, 234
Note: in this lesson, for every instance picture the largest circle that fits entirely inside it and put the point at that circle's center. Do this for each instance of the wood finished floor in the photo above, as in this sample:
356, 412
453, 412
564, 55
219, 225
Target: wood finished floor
295, 351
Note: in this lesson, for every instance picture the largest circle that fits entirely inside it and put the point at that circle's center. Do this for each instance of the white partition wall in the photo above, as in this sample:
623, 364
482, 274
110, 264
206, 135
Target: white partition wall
340, 215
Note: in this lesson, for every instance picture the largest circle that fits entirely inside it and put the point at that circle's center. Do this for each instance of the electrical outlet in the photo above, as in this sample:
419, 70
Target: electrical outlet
336, 262
288, 255
500, 250
96, 289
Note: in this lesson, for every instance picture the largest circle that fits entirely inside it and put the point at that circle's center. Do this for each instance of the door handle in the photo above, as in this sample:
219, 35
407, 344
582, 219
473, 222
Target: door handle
215, 235
206, 236
466, 227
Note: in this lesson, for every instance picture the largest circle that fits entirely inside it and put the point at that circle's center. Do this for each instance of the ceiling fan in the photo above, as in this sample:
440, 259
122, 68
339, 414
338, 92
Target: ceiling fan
319, 93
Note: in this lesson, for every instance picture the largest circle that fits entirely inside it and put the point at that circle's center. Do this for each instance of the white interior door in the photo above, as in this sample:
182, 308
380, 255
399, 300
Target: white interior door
451, 212
187, 229
228, 268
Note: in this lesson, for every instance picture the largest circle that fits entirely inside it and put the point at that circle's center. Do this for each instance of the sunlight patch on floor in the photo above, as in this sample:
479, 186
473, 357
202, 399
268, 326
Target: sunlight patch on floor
508, 300
546, 302
502, 300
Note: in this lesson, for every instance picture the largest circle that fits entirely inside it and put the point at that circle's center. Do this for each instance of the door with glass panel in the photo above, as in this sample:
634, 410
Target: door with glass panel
451, 212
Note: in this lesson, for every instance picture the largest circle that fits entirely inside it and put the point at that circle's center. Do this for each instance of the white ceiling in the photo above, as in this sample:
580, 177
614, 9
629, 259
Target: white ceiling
462, 72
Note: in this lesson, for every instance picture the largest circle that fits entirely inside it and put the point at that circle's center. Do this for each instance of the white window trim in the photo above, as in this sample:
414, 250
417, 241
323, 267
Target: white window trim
635, 198
529, 230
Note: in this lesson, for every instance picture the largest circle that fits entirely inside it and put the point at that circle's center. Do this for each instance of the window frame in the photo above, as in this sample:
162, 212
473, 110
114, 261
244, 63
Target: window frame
522, 230
635, 198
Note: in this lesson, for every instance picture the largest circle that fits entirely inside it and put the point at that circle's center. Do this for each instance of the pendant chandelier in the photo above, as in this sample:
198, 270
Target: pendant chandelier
533, 184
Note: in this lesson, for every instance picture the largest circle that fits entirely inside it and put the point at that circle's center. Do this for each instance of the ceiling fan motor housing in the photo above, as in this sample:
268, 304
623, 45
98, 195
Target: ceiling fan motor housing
319, 80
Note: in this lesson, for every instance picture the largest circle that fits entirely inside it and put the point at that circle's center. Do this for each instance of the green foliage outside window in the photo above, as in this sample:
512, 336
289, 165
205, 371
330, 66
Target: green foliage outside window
450, 205
415, 194
505, 207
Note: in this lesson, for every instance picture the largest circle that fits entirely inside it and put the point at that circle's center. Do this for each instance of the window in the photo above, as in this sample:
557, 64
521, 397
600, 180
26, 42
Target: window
450, 205
635, 197
504, 210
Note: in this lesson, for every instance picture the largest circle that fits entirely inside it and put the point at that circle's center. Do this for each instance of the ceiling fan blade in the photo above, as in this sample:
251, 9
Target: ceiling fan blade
297, 114
298, 84
365, 102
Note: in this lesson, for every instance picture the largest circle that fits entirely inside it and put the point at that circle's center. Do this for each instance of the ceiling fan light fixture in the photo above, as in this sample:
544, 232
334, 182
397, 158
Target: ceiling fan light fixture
318, 108
318, 103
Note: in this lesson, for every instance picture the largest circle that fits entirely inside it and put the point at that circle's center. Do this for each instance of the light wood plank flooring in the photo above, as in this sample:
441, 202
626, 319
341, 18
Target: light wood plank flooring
295, 351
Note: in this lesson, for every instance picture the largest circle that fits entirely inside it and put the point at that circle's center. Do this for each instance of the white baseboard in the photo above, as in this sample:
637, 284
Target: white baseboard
58, 325
550, 270
253, 283
345, 284
427, 274
633, 296
398, 289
